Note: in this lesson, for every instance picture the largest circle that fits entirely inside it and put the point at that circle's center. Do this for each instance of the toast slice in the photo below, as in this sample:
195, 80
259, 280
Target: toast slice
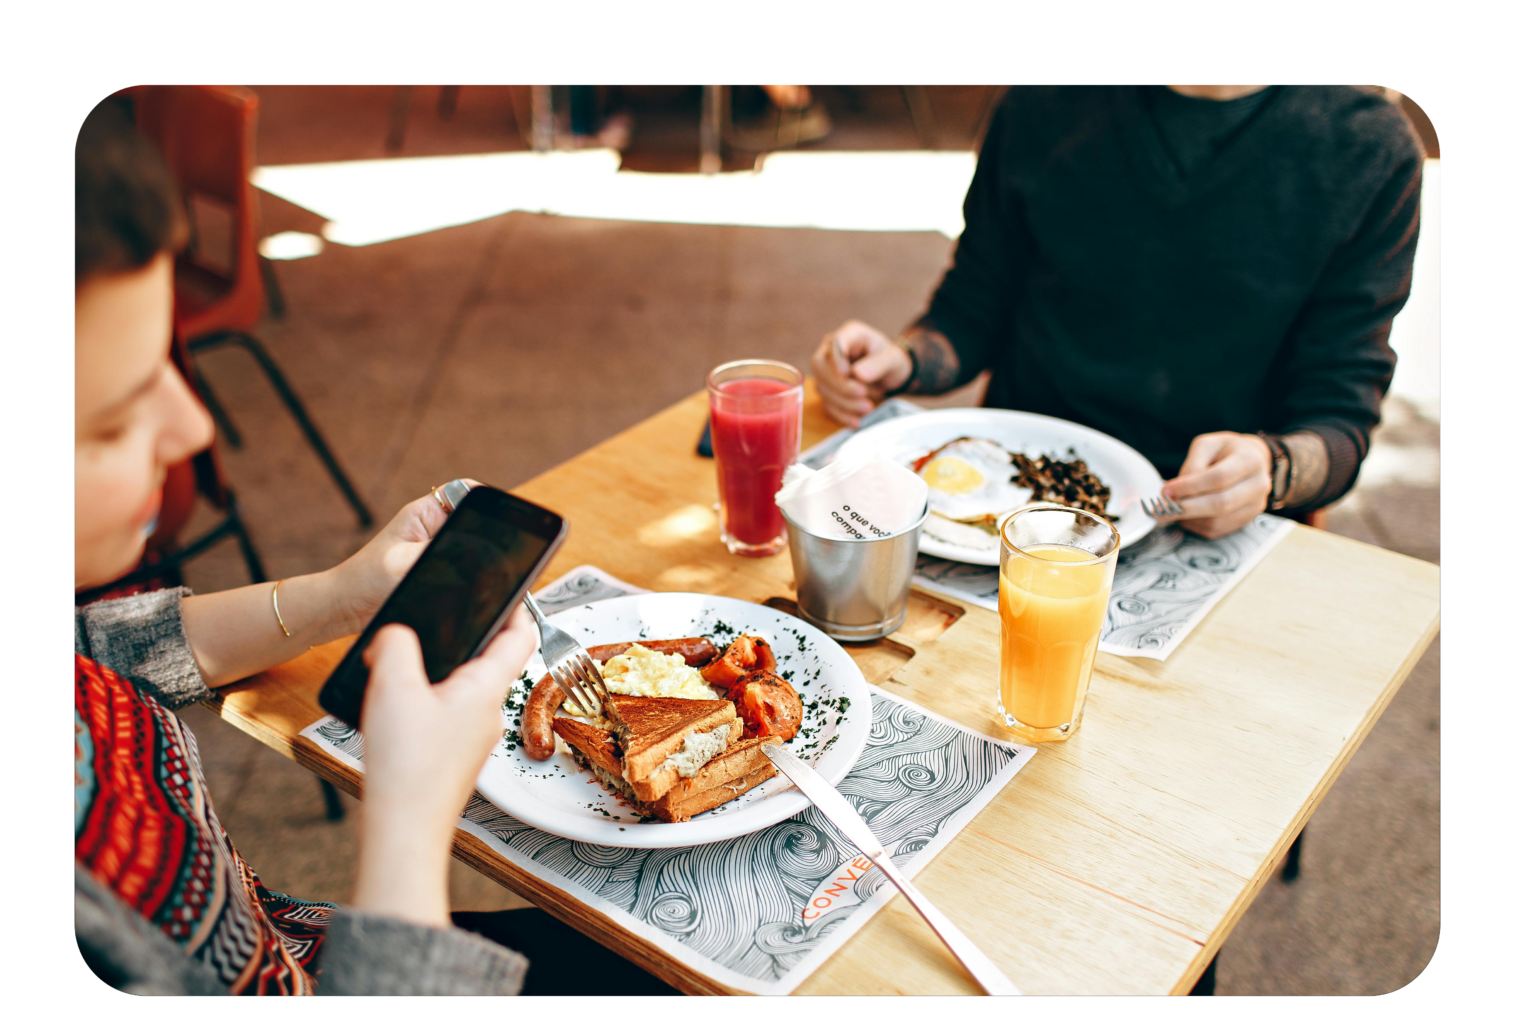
667, 739
723, 779
700, 801
742, 757
597, 751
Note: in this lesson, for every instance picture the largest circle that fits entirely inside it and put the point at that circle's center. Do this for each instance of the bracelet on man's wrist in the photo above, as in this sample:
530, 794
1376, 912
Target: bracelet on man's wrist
1280, 471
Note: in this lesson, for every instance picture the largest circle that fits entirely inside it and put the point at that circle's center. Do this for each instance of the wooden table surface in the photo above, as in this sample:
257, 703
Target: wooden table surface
1117, 861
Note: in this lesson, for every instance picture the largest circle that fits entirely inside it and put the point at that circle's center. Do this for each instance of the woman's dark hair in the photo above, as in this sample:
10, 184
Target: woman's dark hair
127, 208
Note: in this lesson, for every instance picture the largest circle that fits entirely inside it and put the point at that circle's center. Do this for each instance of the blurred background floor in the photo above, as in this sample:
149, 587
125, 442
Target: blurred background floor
452, 353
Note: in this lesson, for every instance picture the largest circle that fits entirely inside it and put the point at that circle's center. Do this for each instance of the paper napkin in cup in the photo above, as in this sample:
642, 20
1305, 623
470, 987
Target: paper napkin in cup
871, 497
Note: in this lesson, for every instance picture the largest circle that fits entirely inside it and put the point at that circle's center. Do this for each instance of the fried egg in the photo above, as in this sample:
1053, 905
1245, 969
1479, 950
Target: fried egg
971, 479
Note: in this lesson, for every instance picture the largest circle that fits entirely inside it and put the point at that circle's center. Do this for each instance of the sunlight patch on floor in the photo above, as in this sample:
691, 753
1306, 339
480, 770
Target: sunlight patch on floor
370, 201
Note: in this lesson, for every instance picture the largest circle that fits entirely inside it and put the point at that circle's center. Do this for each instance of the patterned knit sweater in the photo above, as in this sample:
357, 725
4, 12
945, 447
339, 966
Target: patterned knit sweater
145, 828
149, 850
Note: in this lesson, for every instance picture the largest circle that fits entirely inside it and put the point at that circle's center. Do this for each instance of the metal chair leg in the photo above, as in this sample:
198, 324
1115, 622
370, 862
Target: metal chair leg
399, 113
221, 420
247, 549
275, 304
334, 811
921, 111
1292, 869
296, 407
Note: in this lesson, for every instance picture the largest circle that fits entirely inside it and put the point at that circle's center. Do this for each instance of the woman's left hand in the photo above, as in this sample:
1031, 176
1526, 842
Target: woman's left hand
367, 578
1224, 483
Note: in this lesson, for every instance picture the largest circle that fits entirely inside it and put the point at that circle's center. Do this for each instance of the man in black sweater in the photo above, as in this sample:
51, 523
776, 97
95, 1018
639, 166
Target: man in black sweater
1208, 273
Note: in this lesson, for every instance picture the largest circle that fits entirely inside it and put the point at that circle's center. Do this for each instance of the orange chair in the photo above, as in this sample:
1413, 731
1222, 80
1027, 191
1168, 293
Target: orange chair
208, 137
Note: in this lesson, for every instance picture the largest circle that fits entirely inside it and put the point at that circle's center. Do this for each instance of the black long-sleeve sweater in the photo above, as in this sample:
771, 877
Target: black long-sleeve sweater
1100, 283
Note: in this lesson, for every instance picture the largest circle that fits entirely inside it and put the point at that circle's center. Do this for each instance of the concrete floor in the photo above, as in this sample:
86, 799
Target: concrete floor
450, 354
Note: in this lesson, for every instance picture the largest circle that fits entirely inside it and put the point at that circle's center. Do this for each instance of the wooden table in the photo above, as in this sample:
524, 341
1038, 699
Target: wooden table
1118, 861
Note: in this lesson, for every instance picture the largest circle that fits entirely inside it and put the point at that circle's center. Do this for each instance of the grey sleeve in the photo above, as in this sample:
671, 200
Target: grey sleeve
368, 954
363, 954
142, 639
130, 954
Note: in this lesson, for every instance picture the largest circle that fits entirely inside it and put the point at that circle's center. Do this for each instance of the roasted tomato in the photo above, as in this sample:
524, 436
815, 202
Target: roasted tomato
768, 706
747, 654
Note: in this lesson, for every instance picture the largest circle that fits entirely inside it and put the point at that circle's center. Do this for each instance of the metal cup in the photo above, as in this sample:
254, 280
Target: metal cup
852, 588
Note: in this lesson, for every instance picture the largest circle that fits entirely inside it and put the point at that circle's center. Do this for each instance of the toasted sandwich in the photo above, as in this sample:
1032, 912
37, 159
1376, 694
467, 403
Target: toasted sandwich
667, 739
724, 778
597, 751
742, 766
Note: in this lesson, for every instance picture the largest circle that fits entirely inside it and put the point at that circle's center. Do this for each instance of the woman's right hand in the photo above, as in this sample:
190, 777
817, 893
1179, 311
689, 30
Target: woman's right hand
425, 746
855, 366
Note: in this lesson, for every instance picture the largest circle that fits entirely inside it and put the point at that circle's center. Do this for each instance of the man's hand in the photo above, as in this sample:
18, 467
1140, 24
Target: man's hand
425, 746
1223, 484
855, 366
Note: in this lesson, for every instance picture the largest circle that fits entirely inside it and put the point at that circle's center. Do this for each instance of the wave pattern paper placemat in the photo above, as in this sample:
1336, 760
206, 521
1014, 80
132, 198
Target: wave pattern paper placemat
761, 912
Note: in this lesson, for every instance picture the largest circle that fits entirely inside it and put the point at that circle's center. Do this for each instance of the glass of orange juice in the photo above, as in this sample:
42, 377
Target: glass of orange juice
1056, 568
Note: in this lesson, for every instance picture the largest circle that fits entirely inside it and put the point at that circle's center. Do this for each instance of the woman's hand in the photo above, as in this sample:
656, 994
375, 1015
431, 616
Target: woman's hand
1223, 484
363, 581
237, 633
855, 366
425, 746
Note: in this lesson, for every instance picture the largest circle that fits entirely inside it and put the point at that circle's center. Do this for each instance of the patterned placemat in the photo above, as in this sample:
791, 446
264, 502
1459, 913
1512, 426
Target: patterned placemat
1164, 585
761, 912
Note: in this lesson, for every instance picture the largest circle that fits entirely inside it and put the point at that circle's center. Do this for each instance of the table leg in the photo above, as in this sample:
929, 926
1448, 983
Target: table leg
1206, 984
709, 129
543, 118
1292, 869
334, 811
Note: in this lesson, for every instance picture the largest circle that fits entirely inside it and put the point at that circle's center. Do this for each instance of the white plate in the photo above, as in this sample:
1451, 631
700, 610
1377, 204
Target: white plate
1126, 471
559, 797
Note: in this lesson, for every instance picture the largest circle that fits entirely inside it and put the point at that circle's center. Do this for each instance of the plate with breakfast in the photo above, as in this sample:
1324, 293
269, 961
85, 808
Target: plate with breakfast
697, 685
981, 465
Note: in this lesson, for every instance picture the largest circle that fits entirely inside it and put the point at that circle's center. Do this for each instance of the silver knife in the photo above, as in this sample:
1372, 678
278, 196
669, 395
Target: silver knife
841, 813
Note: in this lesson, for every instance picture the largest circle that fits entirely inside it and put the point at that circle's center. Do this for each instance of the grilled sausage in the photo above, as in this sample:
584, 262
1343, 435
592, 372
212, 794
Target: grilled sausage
546, 698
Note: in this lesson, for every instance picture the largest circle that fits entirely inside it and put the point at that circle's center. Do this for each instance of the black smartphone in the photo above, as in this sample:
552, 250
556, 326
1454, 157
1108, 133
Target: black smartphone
456, 597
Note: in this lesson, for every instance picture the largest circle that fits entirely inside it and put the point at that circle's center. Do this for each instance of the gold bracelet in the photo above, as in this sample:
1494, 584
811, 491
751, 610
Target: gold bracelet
277, 611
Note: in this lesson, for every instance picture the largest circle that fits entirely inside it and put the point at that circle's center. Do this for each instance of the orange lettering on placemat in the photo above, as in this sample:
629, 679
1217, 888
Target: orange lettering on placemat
836, 890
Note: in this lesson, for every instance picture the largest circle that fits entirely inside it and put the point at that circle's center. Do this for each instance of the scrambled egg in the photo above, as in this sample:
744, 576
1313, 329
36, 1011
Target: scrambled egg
642, 672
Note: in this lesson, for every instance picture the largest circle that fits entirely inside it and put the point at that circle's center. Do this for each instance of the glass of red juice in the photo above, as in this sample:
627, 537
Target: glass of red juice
754, 424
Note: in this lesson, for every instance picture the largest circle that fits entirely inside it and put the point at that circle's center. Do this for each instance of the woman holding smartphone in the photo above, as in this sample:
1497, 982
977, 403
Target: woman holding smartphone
163, 902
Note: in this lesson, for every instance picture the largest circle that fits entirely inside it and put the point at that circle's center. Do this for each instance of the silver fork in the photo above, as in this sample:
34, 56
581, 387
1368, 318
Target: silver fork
569, 664
1159, 507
